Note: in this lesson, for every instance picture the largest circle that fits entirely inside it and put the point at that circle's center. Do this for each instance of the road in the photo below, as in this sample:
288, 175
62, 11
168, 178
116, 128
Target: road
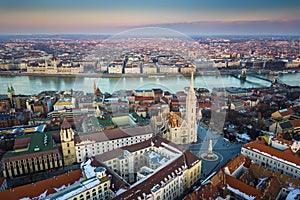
223, 148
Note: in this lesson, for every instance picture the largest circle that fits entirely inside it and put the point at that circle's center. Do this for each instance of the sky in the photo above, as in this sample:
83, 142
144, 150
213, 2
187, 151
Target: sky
190, 17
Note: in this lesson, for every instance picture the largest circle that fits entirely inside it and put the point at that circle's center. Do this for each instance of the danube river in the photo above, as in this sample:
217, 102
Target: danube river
36, 84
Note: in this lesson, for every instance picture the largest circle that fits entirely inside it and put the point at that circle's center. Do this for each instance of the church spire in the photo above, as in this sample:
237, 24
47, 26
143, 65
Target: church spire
192, 81
12, 88
8, 89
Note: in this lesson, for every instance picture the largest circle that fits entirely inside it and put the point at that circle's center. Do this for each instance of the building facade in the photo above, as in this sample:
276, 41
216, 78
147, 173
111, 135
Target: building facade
92, 144
55, 67
276, 154
182, 126
177, 170
31, 155
96, 185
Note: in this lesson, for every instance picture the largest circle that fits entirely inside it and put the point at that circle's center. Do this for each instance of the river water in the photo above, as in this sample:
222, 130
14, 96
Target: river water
36, 84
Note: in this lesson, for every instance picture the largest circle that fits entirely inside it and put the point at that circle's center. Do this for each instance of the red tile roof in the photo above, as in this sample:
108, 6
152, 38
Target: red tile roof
287, 155
205, 192
286, 112
1, 180
295, 123
156, 141
114, 134
21, 143
35, 189
242, 187
141, 98
65, 124
236, 163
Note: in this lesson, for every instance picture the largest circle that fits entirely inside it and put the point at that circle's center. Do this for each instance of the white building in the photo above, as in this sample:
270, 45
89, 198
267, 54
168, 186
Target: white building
96, 185
92, 144
149, 69
55, 67
183, 126
168, 69
163, 170
132, 70
115, 69
278, 154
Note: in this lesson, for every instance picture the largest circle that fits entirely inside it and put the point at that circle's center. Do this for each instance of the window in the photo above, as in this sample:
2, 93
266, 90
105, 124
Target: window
88, 196
94, 194
99, 190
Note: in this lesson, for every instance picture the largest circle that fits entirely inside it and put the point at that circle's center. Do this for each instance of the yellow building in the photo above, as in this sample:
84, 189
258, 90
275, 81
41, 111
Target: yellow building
188, 69
65, 103
67, 143
283, 114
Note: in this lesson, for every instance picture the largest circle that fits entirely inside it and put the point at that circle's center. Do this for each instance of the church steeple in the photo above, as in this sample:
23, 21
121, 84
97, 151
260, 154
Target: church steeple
191, 103
95, 87
8, 89
192, 81
67, 143
12, 89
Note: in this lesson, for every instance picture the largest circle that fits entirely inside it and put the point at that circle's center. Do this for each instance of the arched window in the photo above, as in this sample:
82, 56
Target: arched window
88, 195
94, 193
81, 197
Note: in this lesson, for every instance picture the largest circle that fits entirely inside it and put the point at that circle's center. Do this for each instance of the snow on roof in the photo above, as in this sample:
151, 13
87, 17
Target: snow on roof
283, 110
276, 158
244, 136
261, 181
87, 169
236, 191
155, 157
75, 189
287, 156
293, 194
120, 191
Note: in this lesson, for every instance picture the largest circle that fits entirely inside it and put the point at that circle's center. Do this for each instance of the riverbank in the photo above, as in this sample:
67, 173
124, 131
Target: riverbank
156, 75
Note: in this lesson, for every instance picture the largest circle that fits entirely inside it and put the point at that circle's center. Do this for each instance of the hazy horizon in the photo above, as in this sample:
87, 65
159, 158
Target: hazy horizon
194, 17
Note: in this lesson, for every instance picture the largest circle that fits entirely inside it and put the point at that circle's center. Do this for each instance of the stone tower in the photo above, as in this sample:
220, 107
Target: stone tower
10, 93
191, 115
67, 143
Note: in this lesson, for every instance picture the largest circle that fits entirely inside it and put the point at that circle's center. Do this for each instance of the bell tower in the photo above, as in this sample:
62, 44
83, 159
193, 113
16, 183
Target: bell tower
67, 143
191, 114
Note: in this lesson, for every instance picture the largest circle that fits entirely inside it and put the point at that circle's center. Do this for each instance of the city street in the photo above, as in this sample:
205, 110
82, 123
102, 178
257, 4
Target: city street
221, 147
